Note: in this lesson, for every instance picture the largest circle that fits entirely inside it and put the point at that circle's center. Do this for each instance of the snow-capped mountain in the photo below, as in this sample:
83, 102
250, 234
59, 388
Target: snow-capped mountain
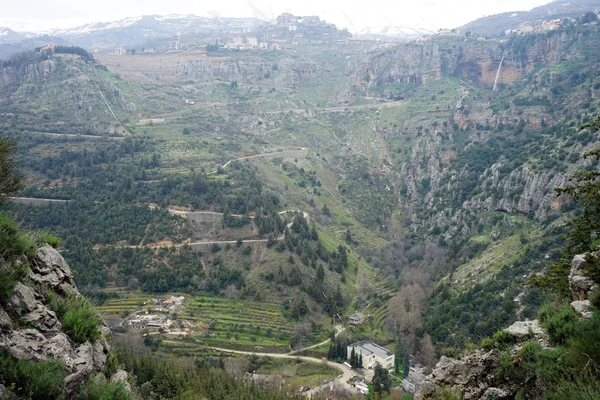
151, 25
7, 35
394, 32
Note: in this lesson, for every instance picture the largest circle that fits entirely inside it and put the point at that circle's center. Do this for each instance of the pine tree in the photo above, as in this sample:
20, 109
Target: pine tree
353, 358
332, 353
11, 181
320, 273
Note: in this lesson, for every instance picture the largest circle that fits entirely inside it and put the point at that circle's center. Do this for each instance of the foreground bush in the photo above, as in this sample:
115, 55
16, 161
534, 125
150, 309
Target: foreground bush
77, 316
34, 380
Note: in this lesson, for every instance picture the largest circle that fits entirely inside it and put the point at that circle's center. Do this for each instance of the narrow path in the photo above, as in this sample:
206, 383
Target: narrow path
389, 104
338, 329
206, 243
299, 152
77, 135
32, 201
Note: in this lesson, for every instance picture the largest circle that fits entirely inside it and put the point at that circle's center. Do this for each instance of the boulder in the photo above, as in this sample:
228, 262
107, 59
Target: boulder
81, 361
25, 344
50, 268
524, 330
121, 377
583, 308
84, 358
468, 376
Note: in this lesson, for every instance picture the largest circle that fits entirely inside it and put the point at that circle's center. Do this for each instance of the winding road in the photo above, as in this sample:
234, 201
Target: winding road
299, 152
340, 380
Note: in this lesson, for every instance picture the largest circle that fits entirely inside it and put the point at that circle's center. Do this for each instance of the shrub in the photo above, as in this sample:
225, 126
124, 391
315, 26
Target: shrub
77, 316
13, 242
10, 275
501, 340
101, 389
559, 323
35, 380
53, 241
112, 364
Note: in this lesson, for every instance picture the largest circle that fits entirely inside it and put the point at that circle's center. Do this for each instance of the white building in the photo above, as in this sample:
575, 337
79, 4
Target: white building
356, 319
372, 354
252, 41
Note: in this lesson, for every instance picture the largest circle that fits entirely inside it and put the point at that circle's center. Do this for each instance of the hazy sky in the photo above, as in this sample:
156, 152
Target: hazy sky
355, 15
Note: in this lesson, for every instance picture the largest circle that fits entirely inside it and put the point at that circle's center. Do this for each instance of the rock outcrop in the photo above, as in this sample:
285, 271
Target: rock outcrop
581, 285
30, 330
469, 377
475, 375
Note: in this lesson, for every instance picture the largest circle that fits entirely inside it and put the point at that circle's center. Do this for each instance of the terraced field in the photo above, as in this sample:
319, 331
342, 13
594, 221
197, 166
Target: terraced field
220, 322
123, 306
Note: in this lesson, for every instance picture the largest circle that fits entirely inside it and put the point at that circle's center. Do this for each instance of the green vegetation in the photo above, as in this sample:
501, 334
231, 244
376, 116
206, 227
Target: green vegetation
100, 389
38, 380
569, 368
12, 244
382, 382
77, 315
11, 181
184, 380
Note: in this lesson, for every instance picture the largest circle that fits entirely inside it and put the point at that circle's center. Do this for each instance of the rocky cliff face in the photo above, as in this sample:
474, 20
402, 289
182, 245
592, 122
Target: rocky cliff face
482, 61
30, 330
521, 192
62, 92
405, 64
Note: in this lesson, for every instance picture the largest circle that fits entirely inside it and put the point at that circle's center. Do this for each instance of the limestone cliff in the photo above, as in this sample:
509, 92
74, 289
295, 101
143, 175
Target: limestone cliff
64, 94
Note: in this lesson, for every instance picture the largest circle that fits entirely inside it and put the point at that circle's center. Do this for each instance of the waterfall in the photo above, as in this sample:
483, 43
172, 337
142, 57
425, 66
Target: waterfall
498, 74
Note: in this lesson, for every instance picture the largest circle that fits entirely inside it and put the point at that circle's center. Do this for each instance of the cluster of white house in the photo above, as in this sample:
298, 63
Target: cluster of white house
150, 321
372, 354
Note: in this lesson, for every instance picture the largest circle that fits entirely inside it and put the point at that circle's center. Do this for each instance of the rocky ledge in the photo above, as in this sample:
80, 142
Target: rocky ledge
30, 330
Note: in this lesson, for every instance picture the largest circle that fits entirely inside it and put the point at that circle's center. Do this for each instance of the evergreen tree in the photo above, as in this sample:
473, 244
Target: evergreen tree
353, 358
320, 273
381, 380
332, 353
11, 181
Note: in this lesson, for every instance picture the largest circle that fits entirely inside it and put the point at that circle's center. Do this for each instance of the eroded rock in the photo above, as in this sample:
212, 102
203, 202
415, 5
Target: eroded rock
5, 321
23, 299
50, 268
579, 282
44, 338
121, 377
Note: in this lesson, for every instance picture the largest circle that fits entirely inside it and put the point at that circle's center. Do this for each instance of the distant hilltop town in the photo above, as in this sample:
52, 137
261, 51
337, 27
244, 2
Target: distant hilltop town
286, 30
